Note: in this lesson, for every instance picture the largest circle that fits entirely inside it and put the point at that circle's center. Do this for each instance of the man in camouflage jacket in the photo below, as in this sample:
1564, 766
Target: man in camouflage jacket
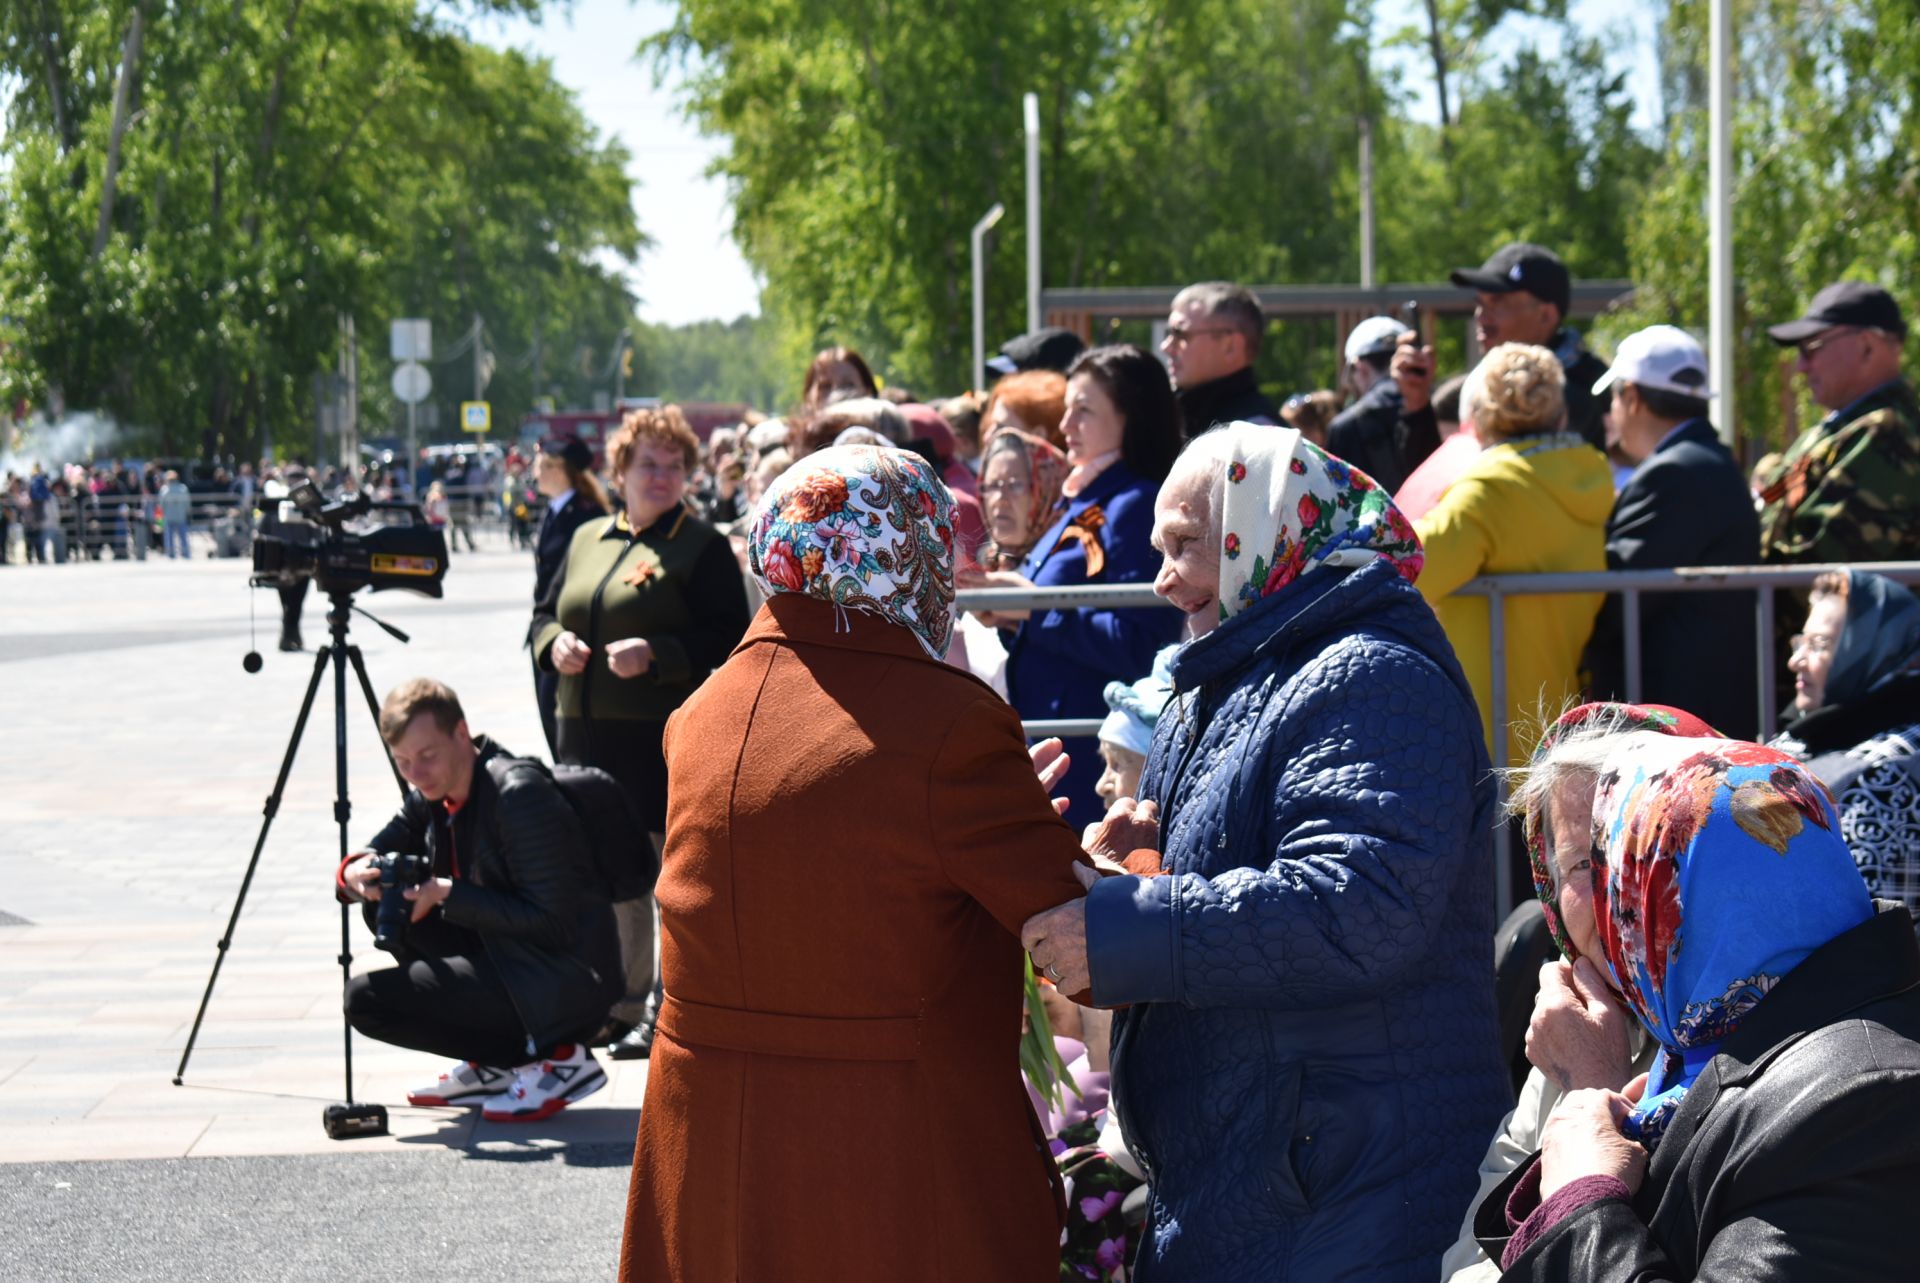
1848, 489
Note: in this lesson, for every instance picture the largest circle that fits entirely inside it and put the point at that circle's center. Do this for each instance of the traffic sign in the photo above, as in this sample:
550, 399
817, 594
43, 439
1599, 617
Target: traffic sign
413, 339
411, 382
476, 416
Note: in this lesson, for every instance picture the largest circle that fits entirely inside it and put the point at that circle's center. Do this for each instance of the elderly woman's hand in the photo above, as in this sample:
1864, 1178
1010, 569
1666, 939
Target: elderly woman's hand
1129, 826
1582, 1138
1579, 1033
1057, 939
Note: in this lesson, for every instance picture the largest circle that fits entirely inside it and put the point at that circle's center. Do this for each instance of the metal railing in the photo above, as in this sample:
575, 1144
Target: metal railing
1762, 581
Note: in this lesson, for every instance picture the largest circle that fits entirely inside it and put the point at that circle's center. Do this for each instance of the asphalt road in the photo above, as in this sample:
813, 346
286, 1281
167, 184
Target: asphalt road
511, 1214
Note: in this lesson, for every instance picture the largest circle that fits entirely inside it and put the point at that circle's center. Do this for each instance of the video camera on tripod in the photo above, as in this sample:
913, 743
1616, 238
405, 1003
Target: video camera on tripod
318, 544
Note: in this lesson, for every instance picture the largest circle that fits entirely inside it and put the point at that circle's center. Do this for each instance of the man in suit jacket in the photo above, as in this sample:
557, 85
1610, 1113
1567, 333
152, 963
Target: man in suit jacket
563, 471
1687, 504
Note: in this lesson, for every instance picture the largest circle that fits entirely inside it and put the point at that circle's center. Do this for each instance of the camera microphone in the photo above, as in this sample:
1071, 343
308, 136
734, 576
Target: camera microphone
252, 661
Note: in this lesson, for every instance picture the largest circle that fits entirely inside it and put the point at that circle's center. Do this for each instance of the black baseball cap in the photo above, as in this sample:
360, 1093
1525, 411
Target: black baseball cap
1051, 348
1520, 267
1843, 303
572, 449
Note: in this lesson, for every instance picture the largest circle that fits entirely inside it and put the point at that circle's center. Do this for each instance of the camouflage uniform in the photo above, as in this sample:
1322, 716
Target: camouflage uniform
1848, 490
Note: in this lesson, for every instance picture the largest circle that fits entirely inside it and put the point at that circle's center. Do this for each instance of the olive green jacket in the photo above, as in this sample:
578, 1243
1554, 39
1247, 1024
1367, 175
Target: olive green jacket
675, 584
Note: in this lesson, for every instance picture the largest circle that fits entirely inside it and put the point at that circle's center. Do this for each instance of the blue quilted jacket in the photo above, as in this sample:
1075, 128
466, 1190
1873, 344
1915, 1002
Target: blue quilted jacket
1309, 1069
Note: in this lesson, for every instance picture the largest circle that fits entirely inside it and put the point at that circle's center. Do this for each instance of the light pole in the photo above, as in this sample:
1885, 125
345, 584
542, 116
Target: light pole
1031, 105
1720, 294
980, 230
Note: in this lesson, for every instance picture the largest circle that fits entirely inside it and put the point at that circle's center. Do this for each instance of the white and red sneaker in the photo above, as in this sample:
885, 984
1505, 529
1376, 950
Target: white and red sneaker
545, 1087
466, 1083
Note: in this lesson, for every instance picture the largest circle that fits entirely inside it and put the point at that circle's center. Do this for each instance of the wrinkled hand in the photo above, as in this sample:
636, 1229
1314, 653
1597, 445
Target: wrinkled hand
1050, 762
1057, 939
1582, 1138
428, 894
1412, 370
570, 655
1579, 1033
1129, 827
973, 578
629, 657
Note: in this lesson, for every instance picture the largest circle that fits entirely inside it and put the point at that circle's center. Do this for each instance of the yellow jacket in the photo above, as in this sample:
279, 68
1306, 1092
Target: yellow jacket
1530, 506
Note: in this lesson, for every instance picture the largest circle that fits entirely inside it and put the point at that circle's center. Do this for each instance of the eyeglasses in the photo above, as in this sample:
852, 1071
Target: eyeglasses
1181, 335
1813, 645
1003, 487
1819, 342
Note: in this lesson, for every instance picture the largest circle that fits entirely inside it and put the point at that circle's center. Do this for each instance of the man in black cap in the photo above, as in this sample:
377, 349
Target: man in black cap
1524, 291
1848, 488
1051, 348
1213, 336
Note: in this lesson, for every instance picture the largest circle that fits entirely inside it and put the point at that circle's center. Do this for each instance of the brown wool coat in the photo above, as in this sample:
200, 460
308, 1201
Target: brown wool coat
854, 839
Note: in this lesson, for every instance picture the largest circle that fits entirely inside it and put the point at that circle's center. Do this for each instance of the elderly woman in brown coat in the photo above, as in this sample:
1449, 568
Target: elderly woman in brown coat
855, 837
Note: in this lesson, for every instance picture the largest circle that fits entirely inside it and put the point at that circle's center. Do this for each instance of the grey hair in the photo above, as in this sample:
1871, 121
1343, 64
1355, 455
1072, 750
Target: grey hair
1234, 303
1208, 455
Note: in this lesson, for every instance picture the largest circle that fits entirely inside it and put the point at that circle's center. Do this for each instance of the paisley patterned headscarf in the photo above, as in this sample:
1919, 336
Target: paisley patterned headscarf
1046, 473
866, 528
1657, 718
1290, 507
1723, 869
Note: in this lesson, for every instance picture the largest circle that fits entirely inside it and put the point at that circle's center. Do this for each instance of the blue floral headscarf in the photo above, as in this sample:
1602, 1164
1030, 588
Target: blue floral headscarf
1723, 869
866, 528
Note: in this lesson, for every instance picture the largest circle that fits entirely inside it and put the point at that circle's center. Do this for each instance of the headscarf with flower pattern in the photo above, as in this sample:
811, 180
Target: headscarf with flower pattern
1046, 473
866, 528
1657, 718
1723, 869
1291, 507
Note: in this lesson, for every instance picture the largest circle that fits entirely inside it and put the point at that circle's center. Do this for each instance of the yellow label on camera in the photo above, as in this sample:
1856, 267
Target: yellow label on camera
385, 563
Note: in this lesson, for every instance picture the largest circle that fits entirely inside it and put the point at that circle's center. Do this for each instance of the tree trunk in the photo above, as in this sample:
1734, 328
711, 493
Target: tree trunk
270, 122
56, 84
1438, 48
122, 93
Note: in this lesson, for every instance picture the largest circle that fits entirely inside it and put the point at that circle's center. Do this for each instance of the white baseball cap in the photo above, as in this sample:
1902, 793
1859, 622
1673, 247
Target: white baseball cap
1373, 336
1660, 356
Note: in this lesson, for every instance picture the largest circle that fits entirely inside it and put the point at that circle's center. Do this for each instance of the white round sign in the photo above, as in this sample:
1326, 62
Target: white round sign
411, 382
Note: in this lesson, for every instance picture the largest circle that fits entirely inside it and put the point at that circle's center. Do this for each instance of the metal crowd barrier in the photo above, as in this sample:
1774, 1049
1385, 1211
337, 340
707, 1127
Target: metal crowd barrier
1762, 581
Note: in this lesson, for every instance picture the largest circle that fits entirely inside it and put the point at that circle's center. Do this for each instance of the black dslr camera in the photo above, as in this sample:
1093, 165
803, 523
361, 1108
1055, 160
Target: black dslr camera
391, 912
399, 549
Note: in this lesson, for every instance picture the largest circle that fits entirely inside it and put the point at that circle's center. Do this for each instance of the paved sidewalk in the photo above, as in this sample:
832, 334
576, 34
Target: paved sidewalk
134, 764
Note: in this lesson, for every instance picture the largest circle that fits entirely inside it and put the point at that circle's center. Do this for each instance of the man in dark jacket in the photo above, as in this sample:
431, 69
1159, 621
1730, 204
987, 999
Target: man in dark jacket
1391, 429
1687, 505
510, 960
1524, 292
567, 510
1213, 336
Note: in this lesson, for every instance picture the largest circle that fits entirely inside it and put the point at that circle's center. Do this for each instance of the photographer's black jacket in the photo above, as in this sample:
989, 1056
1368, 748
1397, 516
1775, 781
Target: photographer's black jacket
527, 888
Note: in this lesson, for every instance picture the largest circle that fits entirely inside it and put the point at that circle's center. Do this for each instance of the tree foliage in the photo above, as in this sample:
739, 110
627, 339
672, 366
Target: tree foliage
284, 164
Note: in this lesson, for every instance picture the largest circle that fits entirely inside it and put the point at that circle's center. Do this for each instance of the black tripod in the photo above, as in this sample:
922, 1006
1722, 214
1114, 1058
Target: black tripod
349, 1119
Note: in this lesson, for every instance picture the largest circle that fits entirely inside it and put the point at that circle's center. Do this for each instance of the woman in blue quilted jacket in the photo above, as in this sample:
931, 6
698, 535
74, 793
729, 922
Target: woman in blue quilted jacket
1307, 1063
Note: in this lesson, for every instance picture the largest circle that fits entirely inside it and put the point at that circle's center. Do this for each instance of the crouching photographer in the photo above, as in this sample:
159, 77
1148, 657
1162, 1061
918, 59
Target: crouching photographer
507, 951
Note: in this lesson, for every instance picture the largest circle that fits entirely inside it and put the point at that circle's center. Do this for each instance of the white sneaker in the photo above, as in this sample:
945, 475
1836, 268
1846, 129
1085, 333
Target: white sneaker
465, 1084
545, 1087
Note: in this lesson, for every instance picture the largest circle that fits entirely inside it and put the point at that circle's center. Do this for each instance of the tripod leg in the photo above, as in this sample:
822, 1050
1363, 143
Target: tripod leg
272, 809
342, 813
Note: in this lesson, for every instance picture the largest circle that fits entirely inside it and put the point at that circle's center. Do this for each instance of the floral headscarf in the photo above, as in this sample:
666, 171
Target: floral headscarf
867, 528
1046, 473
1291, 507
1723, 869
1657, 718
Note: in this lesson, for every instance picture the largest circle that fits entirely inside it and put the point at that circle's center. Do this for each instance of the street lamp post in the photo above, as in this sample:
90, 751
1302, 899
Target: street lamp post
980, 230
1031, 108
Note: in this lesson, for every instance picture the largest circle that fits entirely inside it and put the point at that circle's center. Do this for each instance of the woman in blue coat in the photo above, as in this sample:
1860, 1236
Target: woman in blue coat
1308, 1062
1122, 428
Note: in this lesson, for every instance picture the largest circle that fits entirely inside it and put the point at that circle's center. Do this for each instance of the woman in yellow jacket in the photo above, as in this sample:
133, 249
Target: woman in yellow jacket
1535, 501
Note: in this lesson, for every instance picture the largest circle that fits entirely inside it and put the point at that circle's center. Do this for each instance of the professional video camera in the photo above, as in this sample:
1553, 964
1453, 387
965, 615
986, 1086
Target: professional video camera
400, 550
398, 872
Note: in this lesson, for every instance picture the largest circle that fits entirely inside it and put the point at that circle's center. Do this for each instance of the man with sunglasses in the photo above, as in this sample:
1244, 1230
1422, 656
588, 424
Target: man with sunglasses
1213, 335
1848, 489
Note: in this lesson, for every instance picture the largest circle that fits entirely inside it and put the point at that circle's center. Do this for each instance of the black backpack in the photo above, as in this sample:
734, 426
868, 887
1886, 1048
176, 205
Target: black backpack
617, 837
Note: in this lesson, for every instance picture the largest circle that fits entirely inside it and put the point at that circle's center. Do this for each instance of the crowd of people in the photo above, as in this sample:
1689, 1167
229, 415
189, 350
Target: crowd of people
1261, 937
